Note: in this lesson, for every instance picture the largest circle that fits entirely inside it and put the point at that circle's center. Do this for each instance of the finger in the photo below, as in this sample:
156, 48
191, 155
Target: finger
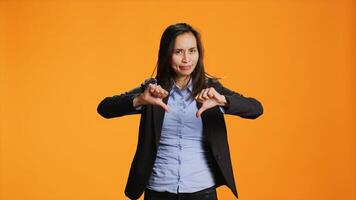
156, 95
200, 111
199, 99
163, 92
163, 105
200, 96
205, 94
210, 93
154, 91
151, 88
157, 92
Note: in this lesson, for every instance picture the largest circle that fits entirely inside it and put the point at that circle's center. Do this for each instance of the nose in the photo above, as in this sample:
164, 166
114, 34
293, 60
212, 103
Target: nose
185, 57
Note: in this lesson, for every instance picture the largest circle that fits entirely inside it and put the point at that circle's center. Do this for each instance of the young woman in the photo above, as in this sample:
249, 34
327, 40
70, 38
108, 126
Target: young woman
182, 150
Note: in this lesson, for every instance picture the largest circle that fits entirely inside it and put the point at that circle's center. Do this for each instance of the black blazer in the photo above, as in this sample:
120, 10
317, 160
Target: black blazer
151, 126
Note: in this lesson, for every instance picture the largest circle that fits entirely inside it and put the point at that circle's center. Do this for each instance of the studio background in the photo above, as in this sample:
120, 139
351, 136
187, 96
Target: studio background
59, 59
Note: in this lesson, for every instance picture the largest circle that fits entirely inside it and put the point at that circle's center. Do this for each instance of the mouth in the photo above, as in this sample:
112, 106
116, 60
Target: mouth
185, 67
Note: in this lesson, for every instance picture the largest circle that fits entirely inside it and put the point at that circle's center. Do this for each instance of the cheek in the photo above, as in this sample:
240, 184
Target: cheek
196, 58
175, 61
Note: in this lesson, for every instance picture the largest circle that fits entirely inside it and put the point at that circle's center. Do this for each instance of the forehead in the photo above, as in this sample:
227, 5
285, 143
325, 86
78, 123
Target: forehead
185, 41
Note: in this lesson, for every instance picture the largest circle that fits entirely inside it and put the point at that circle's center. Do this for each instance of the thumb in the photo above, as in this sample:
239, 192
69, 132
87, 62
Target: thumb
200, 111
163, 105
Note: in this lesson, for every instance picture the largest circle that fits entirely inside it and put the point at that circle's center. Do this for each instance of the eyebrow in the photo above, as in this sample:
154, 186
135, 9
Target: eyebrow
189, 48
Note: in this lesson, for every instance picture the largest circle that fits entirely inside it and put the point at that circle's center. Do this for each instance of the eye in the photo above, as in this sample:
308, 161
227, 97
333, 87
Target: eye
192, 50
178, 51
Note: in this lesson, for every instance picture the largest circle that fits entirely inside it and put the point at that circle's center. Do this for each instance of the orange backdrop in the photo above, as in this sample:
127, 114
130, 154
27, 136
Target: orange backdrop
59, 59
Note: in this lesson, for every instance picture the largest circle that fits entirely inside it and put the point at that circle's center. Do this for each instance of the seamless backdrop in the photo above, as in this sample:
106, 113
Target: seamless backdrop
59, 59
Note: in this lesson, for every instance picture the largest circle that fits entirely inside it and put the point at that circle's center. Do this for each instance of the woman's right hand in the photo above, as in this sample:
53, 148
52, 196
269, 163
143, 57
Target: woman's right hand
153, 95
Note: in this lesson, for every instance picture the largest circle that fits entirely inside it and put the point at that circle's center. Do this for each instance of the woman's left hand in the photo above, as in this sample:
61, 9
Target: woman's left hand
209, 98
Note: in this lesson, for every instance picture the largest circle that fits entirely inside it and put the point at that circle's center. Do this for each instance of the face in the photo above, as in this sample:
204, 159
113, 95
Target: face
185, 55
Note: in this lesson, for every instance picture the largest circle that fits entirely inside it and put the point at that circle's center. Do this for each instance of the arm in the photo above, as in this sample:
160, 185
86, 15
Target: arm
119, 105
237, 104
134, 101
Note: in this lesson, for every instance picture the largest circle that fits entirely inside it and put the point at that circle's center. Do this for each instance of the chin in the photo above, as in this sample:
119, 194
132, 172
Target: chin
185, 73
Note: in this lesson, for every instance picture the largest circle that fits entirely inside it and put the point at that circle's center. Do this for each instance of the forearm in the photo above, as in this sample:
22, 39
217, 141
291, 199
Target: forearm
245, 107
118, 105
237, 104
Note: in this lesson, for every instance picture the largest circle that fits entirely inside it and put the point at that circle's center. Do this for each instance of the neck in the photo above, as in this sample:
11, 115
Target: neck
182, 82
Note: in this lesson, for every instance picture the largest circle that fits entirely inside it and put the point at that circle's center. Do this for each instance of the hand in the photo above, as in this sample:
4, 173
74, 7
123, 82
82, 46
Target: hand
209, 98
153, 95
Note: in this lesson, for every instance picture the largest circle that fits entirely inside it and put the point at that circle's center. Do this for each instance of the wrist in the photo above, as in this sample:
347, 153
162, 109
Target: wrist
138, 101
223, 101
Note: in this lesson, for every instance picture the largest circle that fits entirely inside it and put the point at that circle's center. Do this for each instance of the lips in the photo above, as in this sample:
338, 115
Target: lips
184, 67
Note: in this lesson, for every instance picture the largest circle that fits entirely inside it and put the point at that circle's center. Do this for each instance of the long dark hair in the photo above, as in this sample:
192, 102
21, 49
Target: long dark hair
164, 70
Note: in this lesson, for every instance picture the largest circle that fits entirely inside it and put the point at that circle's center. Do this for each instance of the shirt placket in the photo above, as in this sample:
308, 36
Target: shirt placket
181, 105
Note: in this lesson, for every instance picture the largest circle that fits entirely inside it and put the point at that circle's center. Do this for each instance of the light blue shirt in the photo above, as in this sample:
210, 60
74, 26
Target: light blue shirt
183, 163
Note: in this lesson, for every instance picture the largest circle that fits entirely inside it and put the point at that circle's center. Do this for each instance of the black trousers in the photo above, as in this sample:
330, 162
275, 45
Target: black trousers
206, 194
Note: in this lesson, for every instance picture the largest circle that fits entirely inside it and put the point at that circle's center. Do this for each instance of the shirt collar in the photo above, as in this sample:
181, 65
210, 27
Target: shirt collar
189, 87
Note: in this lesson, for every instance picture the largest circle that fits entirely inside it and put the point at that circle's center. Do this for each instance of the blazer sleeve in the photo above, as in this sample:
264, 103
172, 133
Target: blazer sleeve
245, 107
119, 105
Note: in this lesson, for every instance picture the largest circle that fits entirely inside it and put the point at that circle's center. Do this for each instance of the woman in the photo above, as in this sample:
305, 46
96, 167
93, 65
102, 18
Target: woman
182, 150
